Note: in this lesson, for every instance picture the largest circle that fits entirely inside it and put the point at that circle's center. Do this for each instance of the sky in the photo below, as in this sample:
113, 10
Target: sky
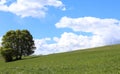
63, 25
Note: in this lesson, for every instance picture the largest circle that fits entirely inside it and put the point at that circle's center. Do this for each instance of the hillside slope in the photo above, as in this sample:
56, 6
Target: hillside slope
101, 60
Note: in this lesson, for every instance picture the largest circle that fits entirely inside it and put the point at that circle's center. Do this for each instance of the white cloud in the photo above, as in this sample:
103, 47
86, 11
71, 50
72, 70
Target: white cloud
2, 2
33, 8
67, 42
104, 32
0, 40
2, 6
107, 29
87, 24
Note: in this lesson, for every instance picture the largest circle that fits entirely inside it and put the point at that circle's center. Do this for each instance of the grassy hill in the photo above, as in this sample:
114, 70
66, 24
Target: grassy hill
101, 60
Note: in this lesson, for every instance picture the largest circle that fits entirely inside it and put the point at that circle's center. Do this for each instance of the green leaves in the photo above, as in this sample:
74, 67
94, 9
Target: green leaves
7, 54
19, 42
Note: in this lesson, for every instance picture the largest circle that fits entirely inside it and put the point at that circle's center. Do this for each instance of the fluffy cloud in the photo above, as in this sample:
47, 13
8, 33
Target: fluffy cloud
33, 8
88, 24
107, 29
103, 32
67, 42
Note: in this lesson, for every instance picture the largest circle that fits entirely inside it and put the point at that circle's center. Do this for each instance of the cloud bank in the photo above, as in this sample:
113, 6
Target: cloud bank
103, 32
33, 8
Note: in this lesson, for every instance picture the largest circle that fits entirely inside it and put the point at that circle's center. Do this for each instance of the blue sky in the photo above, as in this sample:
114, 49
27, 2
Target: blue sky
63, 25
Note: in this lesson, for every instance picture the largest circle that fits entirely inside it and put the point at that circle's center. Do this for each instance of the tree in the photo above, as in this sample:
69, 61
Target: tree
20, 42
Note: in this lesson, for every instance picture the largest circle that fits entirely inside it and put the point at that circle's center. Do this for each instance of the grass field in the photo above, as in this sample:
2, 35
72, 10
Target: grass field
101, 60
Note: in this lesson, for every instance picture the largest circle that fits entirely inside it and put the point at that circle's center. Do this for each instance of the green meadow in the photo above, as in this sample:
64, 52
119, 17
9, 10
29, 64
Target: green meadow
100, 60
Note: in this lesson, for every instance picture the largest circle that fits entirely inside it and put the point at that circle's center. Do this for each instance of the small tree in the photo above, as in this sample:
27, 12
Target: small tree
16, 44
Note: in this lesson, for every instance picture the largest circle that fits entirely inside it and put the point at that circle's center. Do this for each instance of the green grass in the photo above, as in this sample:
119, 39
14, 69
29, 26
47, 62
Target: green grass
101, 60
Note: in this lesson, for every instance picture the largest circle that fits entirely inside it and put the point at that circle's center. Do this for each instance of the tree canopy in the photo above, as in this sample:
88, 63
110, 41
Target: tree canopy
16, 43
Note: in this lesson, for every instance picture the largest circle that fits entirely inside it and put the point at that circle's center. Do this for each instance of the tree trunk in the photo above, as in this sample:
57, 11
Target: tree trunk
17, 57
20, 57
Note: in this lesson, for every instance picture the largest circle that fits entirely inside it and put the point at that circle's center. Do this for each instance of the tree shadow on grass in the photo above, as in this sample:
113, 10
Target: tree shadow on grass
23, 58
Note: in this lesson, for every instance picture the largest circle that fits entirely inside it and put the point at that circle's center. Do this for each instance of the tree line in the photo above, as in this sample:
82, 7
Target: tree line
17, 43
